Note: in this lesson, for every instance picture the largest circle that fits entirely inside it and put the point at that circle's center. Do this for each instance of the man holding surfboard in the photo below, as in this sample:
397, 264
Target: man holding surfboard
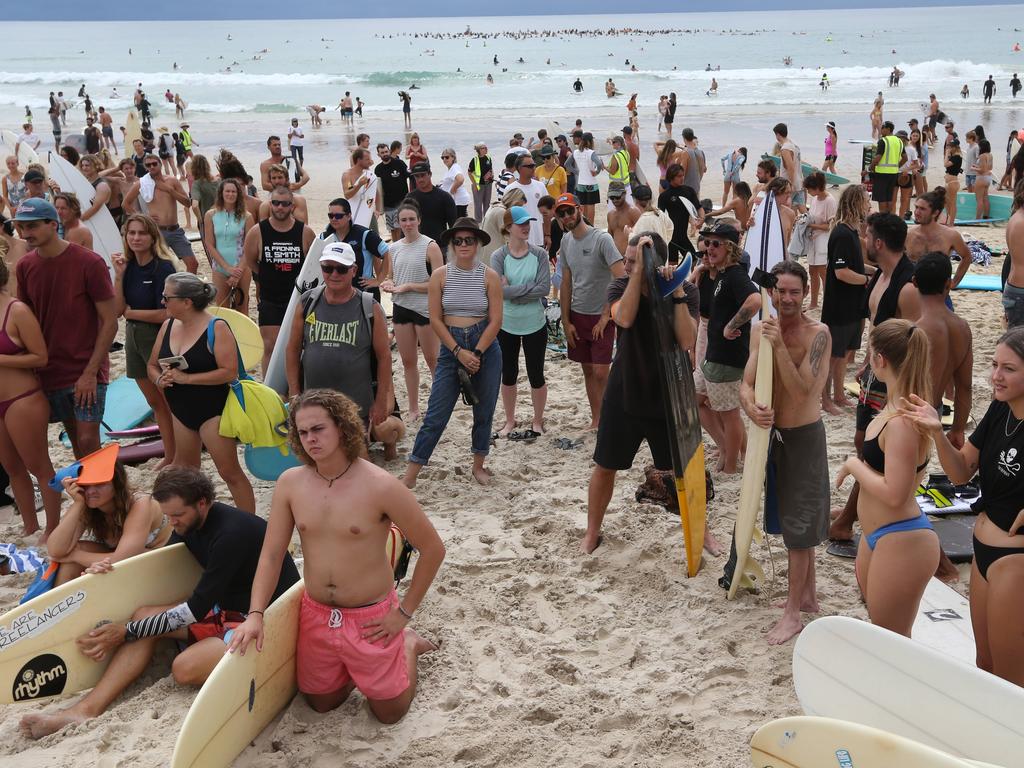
797, 493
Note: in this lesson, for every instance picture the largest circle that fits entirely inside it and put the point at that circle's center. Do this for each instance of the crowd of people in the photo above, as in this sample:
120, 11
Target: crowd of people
504, 256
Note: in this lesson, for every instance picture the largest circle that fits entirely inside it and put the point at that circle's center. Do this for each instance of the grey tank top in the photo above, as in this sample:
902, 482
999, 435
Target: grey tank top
409, 265
336, 351
692, 177
465, 291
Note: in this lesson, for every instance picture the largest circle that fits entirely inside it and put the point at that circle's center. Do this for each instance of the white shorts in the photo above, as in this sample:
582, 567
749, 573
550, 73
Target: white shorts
817, 254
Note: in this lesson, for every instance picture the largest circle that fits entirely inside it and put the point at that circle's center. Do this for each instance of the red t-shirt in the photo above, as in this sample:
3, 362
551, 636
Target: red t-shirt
62, 292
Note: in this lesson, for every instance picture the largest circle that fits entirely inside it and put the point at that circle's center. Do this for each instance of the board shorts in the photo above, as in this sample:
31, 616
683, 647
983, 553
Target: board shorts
64, 409
1013, 305
331, 652
139, 339
271, 313
619, 436
872, 399
178, 242
721, 385
883, 186
391, 218
817, 251
798, 483
587, 349
108, 131
845, 338
969, 179
588, 194
404, 316
216, 623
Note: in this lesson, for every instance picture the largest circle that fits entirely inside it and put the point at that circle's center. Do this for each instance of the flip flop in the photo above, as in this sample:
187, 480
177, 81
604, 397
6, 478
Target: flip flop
526, 435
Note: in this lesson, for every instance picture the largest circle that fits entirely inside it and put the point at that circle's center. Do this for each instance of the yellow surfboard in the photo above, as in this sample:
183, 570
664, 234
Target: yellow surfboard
246, 332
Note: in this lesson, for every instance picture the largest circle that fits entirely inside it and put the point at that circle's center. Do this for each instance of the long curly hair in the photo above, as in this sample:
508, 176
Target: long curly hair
110, 527
342, 411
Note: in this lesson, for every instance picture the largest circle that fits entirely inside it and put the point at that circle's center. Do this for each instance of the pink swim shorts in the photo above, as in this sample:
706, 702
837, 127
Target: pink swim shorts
332, 653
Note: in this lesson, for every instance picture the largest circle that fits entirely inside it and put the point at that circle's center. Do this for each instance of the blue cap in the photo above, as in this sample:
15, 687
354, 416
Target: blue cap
520, 215
35, 209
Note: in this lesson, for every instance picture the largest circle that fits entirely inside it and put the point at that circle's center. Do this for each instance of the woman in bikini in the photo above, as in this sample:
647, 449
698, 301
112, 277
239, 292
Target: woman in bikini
996, 452
106, 522
983, 179
24, 411
899, 551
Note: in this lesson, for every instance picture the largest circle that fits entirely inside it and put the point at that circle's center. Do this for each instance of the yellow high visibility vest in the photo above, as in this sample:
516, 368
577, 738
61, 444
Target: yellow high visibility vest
890, 162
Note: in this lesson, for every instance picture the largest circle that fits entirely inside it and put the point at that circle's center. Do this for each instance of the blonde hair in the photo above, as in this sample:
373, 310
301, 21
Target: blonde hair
160, 248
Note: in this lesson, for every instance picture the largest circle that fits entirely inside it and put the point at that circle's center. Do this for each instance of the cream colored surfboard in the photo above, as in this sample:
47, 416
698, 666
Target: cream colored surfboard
132, 131
247, 335
819, 742
243, 693
38, 655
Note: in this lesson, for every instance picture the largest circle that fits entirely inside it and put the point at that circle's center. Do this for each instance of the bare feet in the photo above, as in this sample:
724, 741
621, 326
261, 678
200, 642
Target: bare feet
390, 451
410, 482
840, 531
414, 415
39, 725
946, 571
509, 426
787, 628
590, 543
808, 606
482, 475
829, 407
842, 402
712, 545
592, 427
164, 462
538, 427
418, 643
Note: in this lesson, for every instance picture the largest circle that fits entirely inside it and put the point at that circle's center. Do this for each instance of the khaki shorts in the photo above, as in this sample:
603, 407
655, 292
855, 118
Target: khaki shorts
722, 395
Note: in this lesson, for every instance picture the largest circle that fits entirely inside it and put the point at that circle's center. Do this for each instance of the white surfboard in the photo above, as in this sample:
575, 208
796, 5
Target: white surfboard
276, 378
944, 622
820, 742
38, 655
853, 670
26, 154
243, 693
132, 131
765, 245
106, 237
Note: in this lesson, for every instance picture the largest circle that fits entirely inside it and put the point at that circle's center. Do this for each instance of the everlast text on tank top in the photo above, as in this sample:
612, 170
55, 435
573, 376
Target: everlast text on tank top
280, 261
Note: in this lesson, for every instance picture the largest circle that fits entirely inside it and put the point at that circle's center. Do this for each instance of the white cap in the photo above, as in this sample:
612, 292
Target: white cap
341, 253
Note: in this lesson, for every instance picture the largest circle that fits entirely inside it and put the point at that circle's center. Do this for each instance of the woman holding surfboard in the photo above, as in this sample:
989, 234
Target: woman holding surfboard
899, 551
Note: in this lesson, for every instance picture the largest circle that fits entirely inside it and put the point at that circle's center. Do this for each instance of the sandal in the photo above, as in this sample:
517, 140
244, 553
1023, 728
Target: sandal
527, 435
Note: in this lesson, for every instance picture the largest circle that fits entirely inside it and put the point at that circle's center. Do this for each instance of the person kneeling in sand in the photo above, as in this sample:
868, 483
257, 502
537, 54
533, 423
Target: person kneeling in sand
799, 455
352, 626
226, 542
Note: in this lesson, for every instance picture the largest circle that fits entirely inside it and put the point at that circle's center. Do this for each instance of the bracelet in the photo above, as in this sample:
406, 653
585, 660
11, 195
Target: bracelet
455, 350
404, 612
678, 299
252, 612
478, 353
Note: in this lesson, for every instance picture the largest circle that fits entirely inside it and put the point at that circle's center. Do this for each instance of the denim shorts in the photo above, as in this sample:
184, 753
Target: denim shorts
64, 409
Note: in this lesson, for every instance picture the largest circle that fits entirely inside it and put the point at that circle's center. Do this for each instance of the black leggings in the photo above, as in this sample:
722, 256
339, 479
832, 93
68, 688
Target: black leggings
534, 347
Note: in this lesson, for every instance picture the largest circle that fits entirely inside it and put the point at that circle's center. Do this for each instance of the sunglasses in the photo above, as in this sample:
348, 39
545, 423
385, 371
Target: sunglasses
167, 298
715, 243
528, 165
151, 165
563, 213
281, 203
336, 216
470, 240
330, 269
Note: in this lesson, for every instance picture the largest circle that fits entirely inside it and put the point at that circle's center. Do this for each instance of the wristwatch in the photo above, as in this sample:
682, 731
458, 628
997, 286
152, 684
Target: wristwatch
478, 353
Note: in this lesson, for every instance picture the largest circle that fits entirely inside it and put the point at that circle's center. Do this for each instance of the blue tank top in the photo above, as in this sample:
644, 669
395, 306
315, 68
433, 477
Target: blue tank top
229, 232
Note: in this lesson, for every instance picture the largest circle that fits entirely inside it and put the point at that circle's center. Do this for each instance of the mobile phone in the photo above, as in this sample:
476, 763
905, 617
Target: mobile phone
174, 362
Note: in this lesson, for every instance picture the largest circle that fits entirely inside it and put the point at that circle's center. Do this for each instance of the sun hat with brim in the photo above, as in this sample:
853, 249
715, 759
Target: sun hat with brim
465, 224
520, 215
94, 469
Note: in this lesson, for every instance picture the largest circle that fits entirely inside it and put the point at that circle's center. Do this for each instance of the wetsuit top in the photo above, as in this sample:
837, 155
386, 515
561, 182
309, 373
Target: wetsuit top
280, 261
889, 304
999, 439
874, 456
956, 165
7, 344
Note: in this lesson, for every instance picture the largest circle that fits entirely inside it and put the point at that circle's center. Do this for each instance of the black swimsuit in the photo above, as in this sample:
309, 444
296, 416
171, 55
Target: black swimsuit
194, 404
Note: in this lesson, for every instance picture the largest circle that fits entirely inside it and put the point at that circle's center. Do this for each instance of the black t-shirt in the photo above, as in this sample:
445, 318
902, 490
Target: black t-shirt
842, 302
671, 202
633, 380
228, 546
92, 140
394, 181
732, 287
706, 287
437, 211
999, 464
143, 287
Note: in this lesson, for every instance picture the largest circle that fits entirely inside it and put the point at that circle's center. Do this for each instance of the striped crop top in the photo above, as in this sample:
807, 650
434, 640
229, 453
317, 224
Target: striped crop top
465, 291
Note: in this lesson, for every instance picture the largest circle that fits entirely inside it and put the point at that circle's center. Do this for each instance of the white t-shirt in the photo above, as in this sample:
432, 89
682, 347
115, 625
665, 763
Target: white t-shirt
584, 166
30, 139
821, 212
462, 195
296, 138
534, 191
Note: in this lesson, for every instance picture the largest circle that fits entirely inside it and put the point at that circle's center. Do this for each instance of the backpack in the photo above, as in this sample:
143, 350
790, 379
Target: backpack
312, 297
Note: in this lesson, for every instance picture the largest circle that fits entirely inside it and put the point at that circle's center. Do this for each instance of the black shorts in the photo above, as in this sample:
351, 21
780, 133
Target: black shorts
619, 436
846, 337
404, 316
271, 312
588, 196
883, 185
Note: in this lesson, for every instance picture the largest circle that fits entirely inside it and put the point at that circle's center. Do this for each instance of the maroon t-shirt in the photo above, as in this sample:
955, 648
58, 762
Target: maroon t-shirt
62, 292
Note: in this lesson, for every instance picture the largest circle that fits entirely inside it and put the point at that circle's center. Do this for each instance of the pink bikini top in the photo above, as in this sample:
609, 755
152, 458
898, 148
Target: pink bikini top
7, 345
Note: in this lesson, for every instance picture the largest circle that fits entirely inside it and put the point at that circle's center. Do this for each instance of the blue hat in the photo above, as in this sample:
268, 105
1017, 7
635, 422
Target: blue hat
520, 215
35, 209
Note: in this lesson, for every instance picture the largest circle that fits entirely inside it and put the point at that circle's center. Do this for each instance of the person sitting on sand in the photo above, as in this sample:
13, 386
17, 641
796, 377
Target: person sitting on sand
353, 629
108, 521
633, 408
226, 542
899, 550
799, 455
465, 298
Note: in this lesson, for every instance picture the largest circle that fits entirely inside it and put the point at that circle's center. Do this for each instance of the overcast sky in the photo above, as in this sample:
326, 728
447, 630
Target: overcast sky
100, 10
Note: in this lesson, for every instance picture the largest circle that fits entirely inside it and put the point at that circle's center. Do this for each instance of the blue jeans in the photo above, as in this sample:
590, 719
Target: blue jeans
445, 391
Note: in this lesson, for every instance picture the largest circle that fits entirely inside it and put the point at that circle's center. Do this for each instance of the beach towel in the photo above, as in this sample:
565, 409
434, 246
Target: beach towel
22, 560
147, 188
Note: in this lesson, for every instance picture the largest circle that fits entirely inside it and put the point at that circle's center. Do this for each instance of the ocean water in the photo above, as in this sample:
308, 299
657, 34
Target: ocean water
278, 67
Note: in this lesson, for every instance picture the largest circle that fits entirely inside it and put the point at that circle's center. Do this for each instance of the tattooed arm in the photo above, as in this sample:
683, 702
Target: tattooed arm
808, 379
750, 307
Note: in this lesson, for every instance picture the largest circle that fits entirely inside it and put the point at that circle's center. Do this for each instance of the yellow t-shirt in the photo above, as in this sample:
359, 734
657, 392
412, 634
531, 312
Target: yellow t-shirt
555, 180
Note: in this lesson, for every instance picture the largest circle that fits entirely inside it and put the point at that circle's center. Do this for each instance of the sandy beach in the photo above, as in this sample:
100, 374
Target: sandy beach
548, 657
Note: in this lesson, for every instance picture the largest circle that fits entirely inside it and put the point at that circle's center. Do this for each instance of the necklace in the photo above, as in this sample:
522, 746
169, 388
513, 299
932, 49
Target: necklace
1006, 428
330, 480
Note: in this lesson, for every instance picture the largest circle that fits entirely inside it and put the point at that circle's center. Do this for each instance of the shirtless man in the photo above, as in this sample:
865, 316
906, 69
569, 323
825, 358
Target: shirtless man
353, 629
279, 178
801, 486
69, 211
355, 185
107, 129
276, 158
929, 235
622, 215
1013, 266
162, 195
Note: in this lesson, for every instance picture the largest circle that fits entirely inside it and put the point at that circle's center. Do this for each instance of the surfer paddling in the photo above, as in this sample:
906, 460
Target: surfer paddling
799, 454
226, 542
353, 629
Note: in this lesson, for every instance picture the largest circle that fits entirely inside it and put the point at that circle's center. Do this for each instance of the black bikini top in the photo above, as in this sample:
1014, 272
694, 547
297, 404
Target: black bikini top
874, 456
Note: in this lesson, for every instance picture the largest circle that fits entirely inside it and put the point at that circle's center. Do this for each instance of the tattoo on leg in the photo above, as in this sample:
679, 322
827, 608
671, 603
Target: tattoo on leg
818, 349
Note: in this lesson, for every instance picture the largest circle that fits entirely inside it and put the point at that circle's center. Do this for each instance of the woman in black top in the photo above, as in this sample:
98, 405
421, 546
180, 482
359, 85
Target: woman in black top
996, 452
139, 275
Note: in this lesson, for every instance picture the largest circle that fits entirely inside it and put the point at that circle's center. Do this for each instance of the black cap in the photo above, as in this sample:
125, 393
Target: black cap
642, 192
419, 168
627, 130
547, 151
725, 231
